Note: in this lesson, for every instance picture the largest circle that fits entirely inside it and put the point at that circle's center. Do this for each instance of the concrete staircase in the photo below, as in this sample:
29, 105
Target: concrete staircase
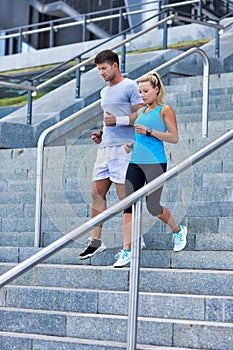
186, 298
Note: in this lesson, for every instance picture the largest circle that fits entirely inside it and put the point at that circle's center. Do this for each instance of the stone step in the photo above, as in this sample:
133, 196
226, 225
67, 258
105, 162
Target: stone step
216, 180
17, 239
188, 93
150, 257
191, 211
185, 101
86, 155
42, 342
159, 305
207, 233
211, 187
159, 280
155, 331
221, 80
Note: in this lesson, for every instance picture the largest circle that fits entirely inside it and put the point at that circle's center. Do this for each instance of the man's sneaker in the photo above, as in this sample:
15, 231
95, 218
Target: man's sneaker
124, 257
179, 238
93, 246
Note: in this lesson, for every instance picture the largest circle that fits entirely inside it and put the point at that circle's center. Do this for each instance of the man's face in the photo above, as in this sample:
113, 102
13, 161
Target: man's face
107, 71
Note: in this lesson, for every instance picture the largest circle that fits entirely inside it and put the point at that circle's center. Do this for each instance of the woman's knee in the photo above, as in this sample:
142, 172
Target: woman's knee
154, 209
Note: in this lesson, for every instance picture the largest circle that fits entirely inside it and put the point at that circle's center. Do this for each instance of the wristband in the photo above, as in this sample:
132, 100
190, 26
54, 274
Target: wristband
124, 120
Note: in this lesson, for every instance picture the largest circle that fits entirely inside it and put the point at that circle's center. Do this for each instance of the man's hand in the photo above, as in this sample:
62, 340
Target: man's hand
109, 119
96, 137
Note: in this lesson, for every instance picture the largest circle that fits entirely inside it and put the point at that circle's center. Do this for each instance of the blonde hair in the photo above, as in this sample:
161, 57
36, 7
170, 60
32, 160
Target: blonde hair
155, 80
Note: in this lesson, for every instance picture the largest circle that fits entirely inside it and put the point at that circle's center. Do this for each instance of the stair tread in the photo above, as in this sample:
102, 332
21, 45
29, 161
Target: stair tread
116, 317
94, 342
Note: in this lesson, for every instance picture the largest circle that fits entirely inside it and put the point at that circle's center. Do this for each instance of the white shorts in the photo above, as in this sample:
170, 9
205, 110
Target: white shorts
111, 162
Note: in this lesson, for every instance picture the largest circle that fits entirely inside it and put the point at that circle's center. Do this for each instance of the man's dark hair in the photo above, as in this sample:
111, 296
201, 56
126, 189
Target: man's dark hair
107, 56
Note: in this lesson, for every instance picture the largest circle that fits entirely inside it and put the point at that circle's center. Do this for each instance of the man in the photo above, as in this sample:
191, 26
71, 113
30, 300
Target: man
120, 100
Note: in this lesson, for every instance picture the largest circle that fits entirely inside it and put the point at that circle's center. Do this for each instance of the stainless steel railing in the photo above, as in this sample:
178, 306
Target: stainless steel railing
135, 200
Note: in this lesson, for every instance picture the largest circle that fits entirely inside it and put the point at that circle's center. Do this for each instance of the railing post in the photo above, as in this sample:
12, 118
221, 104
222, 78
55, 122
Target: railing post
11, 46
123, 55
123, 37
134, 275
217, 46
51, 35
78, 79
20, 41
159, 10
39, 189
200, 10
165, 33
29, 109
84, 28
205, 103
120, 23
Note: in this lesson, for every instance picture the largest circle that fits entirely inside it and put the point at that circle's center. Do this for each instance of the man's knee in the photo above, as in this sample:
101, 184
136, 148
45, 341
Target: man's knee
97, 194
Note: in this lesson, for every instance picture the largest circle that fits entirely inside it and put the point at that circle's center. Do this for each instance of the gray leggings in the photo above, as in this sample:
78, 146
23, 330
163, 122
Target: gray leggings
136, 177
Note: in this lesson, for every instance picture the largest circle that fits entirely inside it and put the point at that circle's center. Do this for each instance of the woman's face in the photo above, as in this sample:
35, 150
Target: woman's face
147, 92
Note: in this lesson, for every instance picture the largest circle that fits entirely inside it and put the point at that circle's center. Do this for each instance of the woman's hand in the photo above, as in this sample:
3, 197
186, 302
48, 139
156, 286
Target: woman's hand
129, 147
140, 129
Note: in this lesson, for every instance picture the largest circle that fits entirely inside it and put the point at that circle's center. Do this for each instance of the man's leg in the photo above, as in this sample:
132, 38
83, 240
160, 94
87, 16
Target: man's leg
98, 194
120, 189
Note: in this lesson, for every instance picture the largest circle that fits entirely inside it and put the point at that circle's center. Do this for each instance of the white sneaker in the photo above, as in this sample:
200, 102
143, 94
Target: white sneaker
124, 258
143, 246
179, 238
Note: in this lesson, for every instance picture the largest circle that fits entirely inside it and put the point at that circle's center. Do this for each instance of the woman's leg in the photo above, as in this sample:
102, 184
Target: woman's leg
127, 230
135, 179
168, 219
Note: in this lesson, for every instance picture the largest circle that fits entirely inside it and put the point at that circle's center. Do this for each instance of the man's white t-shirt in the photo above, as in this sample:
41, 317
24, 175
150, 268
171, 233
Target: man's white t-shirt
118, 100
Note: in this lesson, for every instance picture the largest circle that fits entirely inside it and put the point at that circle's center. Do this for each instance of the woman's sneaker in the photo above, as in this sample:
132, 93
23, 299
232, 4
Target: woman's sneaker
93, 246
179, 238
124, 258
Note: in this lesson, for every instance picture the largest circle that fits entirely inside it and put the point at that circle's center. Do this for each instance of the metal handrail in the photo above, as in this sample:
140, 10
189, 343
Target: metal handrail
189, 2
91, 59
134, 199
62, 123
17, 86
55, 27
83, 21
127, 40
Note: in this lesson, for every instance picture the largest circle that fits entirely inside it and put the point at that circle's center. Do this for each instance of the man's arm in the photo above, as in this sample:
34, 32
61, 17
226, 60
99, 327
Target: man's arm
112, 120
136, 109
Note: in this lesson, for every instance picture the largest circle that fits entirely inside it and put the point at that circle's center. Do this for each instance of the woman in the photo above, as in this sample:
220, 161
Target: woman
156, 123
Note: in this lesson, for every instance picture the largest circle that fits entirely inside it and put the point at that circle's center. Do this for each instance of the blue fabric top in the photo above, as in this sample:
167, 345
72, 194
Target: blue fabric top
148, 149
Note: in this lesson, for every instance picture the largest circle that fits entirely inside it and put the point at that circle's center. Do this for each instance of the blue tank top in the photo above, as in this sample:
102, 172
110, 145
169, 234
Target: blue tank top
147, 149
